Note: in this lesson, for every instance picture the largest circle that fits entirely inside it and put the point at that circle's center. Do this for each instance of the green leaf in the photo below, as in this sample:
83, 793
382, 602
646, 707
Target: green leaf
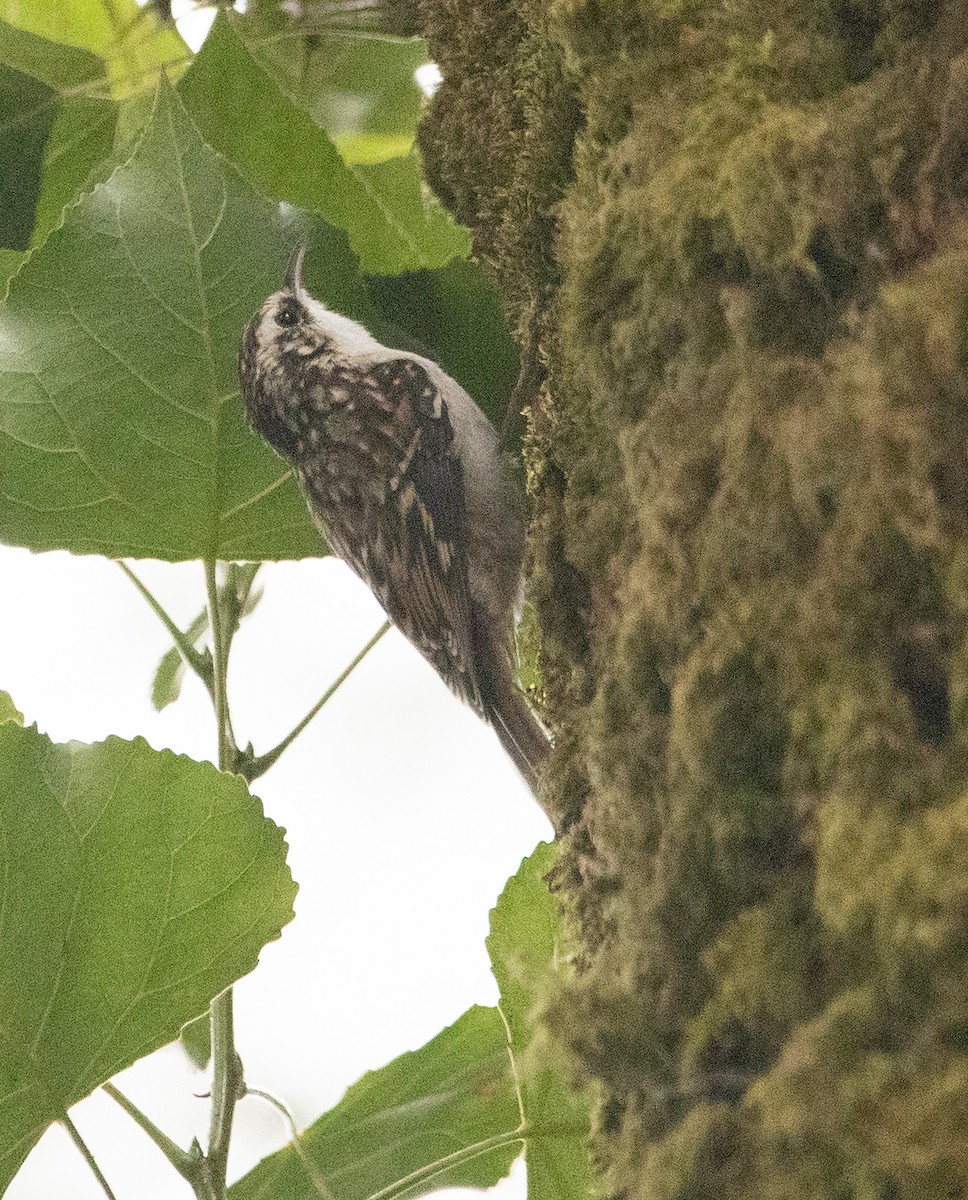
9, 710
27, 114
452, 1094
10, 263
133, 43
196, 1040
136, 886
170, 672
372, 147
453, 316
168, 678
83, 23
393, 225
121, 429
352, 81
524, 949
52, 134
75, 158
421, 233
48, 60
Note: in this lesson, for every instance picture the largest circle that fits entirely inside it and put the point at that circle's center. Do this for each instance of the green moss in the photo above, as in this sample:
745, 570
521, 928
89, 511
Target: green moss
759, 973
749, 467
497, 136
881, 1118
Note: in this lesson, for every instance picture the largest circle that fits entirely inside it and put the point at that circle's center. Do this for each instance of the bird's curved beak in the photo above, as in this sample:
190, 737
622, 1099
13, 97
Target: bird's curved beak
293, 280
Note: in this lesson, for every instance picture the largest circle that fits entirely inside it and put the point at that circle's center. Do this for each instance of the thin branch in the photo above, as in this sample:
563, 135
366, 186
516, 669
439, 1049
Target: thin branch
315, 1178
219, 670
231, 596
227, 1079
227, 1086
88, 1156
252, 767
193, 659
185, 1162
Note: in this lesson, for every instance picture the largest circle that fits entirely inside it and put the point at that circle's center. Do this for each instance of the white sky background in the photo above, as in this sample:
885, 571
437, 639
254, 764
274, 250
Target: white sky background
403, 817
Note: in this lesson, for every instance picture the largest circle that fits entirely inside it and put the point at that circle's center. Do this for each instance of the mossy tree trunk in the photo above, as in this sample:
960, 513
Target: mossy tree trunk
738, 234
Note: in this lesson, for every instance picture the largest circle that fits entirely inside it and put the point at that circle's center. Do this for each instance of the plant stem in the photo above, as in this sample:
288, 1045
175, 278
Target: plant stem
88, 1156
227, 1086
220, 666
184, 1161
195, 661
312, 1172
252, 768
227, 1080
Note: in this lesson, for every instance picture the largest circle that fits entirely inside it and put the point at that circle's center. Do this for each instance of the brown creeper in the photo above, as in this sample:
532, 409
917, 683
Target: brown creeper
404, 476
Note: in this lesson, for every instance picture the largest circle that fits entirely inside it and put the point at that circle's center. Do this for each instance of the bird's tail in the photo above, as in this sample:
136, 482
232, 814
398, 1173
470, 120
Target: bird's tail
522, 735
519, 731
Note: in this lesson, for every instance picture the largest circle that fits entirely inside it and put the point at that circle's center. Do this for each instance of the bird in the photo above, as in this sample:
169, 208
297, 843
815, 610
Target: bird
405, 479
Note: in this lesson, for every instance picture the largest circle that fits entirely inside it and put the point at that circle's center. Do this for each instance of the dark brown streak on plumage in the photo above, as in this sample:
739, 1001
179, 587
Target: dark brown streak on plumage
373, 451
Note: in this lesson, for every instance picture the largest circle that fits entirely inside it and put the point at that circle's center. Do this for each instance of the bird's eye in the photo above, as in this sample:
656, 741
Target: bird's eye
288, 314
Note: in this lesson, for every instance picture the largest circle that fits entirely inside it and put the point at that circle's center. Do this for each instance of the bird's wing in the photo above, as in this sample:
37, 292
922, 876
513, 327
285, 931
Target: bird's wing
421, 575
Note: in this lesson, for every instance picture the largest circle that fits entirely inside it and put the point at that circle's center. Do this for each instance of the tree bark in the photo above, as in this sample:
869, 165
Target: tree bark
737, 234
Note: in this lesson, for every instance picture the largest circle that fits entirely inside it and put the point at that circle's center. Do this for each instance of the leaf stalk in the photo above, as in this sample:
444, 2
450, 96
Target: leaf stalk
228, 1085
251, 766
195, 660
88, 1156
185, 1162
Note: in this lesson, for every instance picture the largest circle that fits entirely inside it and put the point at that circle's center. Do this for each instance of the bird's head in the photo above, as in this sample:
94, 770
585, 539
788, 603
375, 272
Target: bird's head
290, 323
291, 351
287, 334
